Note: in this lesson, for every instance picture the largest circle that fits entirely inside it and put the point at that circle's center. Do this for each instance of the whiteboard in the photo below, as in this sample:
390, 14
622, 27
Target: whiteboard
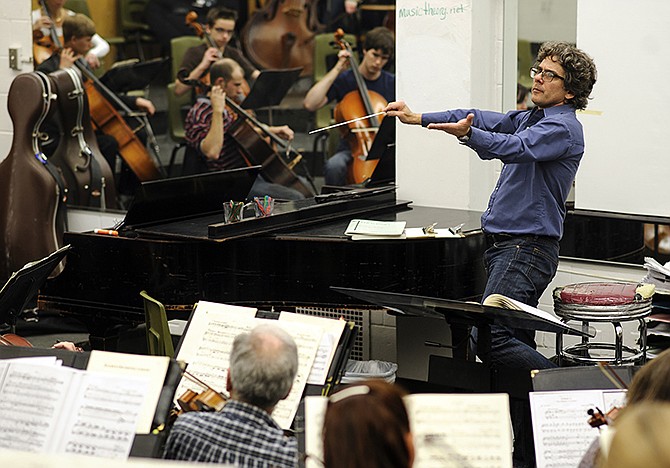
626, 164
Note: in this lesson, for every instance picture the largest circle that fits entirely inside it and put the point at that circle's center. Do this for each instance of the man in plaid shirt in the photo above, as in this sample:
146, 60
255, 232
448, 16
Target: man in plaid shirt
263, 365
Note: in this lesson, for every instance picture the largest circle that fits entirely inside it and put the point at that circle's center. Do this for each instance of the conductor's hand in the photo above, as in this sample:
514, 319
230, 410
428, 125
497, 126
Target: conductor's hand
403, 112
218, 98
459, 129
284, 132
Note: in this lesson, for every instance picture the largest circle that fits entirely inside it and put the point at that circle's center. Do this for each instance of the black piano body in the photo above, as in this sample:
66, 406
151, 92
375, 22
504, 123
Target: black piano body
292, 259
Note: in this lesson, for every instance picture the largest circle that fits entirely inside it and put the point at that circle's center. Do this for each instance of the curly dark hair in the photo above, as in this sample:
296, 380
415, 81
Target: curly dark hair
580, 70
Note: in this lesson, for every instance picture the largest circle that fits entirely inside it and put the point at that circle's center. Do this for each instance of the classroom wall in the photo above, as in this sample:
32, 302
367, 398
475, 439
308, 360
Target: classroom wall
15, 31
451, 55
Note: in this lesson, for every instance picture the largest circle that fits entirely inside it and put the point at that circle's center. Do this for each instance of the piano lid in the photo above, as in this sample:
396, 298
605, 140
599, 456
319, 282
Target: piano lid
189, 196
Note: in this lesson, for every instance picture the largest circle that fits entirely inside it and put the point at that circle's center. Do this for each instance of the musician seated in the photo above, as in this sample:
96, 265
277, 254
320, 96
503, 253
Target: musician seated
367, 425
263, 365
340, 81
43, 22
198, 60
207, 130
78, 34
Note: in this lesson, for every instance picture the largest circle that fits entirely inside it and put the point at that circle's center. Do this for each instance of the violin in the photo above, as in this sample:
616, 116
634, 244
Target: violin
359, 133
598, 418
207, 400
10, 339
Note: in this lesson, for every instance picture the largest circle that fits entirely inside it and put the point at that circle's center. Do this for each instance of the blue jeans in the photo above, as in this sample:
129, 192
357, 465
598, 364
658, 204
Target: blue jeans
519, 267
336, 168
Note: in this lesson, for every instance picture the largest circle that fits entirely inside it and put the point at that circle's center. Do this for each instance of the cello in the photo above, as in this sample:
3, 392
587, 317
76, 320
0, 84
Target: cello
279, 36
360, 133
107, 119
254, 149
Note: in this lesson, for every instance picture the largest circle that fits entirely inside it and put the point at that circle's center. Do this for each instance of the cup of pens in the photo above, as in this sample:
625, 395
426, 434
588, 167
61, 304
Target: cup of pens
263, 206
232, 211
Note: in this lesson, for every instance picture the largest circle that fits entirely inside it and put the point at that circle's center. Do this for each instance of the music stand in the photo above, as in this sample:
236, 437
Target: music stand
270, 88
132, 74
465, 313
383, 150
23, 285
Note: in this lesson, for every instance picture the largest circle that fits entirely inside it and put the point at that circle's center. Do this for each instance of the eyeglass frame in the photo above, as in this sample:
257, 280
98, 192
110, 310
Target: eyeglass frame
546, 75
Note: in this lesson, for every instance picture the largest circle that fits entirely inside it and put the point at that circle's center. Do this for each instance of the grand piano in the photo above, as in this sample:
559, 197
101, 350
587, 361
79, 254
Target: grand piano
174, 244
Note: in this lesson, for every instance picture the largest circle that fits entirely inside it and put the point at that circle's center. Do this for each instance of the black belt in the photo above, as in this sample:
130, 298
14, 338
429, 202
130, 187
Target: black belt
502, 237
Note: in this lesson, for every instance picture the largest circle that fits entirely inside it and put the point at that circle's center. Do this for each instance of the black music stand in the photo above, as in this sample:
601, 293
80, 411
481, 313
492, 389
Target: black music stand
23, 285
463, 313
270, 88
132, 74
383, 150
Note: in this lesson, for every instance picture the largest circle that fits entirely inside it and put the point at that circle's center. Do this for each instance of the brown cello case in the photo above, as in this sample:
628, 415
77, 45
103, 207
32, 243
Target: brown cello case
89, 178
32, 191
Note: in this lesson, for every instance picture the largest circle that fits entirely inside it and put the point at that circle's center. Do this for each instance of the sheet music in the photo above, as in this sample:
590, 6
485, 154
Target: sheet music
307, 339
315, 410
31, 397
560, 429
206, 347
154, 368
450, 430
455, 430
51, 408
104, 412
208, 341
332, 332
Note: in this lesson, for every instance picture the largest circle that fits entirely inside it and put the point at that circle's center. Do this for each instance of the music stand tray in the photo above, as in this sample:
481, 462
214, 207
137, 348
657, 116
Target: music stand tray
270, 88
23, 285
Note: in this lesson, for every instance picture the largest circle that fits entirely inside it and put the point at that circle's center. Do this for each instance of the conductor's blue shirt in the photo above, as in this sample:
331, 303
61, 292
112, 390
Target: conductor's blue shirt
540, 163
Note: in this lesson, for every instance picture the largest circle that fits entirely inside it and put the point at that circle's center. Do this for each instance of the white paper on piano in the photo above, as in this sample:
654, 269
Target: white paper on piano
208, 341
368, 227
560, 428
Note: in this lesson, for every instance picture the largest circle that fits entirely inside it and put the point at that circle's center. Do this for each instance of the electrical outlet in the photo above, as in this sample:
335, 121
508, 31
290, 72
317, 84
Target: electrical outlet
14, 58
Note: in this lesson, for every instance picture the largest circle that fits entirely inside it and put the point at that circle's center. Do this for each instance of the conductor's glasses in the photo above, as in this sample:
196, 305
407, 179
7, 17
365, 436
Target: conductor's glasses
546, 75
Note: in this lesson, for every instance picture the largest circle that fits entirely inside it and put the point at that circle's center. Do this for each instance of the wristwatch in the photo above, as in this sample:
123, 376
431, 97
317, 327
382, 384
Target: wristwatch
465, 138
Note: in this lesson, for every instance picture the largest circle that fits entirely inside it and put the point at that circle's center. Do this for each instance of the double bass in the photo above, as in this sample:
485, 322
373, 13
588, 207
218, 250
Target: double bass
360, 133
280, 36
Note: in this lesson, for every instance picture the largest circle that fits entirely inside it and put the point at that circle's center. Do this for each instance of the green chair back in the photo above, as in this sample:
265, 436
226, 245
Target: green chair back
178, 47
159, 340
